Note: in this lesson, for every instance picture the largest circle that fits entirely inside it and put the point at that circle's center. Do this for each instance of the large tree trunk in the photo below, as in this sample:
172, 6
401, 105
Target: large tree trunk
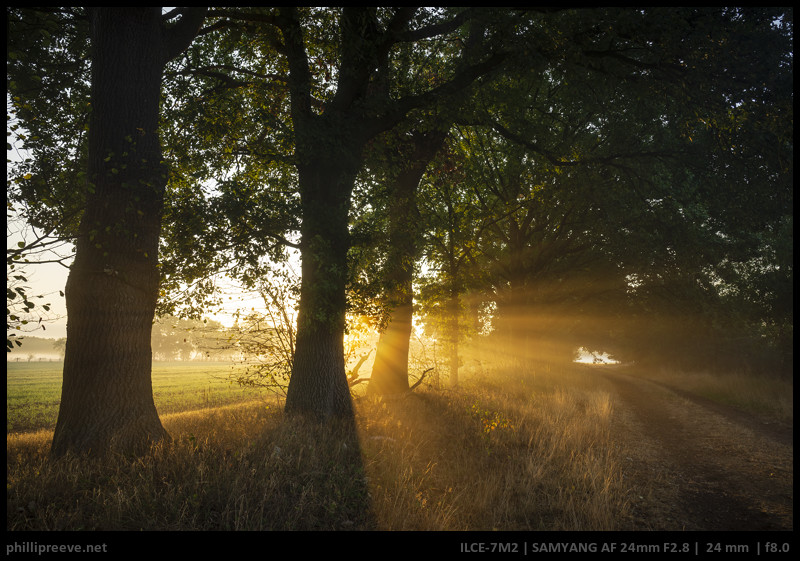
318, 385
111, 292
328, 148
454, 333
390, 369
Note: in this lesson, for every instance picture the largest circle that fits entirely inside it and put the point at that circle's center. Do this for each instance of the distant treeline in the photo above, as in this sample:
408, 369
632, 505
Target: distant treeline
172, 339
36, 348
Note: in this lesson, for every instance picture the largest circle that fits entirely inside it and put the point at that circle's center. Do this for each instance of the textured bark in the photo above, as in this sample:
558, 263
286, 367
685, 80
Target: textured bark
390, 369
328, 151
318, 385
107, 399
453, 313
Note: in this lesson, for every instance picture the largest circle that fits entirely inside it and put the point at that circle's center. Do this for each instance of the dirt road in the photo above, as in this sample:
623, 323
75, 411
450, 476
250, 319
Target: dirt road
697, 465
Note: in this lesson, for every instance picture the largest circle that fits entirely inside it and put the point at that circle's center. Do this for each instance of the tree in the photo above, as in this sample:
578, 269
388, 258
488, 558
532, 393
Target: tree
683, 178
112, 287
328, 152
46, 85
411, 156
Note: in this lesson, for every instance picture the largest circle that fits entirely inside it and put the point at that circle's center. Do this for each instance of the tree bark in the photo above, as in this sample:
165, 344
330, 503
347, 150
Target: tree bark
390, 369
318, 386
328, 151
107, 399
453, 313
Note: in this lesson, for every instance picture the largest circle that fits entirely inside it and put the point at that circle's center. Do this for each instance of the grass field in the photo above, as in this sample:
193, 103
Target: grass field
507, 453
33, 391
506, 450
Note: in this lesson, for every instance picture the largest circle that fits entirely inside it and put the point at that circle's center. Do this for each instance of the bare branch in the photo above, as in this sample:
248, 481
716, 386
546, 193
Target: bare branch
418, 382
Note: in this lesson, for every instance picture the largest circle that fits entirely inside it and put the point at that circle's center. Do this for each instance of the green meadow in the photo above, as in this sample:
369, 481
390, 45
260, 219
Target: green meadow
33, 390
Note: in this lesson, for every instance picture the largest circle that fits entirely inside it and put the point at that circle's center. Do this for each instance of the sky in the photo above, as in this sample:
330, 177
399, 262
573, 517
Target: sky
46, 280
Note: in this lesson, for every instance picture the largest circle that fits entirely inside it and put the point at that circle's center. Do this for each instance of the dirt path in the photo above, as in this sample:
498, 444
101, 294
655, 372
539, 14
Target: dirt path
698, 465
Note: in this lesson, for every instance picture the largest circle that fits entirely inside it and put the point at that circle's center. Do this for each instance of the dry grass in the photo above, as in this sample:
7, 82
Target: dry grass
235, 468
497, 454
501, 452
768, 396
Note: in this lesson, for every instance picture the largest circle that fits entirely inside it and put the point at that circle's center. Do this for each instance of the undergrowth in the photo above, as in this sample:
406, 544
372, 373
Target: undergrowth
500, 452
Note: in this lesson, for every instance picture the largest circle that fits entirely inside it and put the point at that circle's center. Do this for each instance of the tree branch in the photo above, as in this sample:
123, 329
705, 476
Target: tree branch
297, 57
436, 29
394, 28
419, 381
459, 82
552, 158
180, 36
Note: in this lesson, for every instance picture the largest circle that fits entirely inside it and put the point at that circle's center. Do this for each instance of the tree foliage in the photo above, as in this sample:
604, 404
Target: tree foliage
613, 178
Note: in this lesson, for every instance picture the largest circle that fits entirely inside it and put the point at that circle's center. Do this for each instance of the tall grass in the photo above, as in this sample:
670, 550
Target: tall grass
763, 395
501, 452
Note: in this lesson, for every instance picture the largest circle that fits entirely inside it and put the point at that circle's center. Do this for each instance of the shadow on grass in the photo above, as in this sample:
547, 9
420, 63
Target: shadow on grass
246, 469
323, 483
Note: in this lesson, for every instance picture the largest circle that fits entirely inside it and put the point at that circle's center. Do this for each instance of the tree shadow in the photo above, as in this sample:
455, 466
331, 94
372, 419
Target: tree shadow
321, 476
